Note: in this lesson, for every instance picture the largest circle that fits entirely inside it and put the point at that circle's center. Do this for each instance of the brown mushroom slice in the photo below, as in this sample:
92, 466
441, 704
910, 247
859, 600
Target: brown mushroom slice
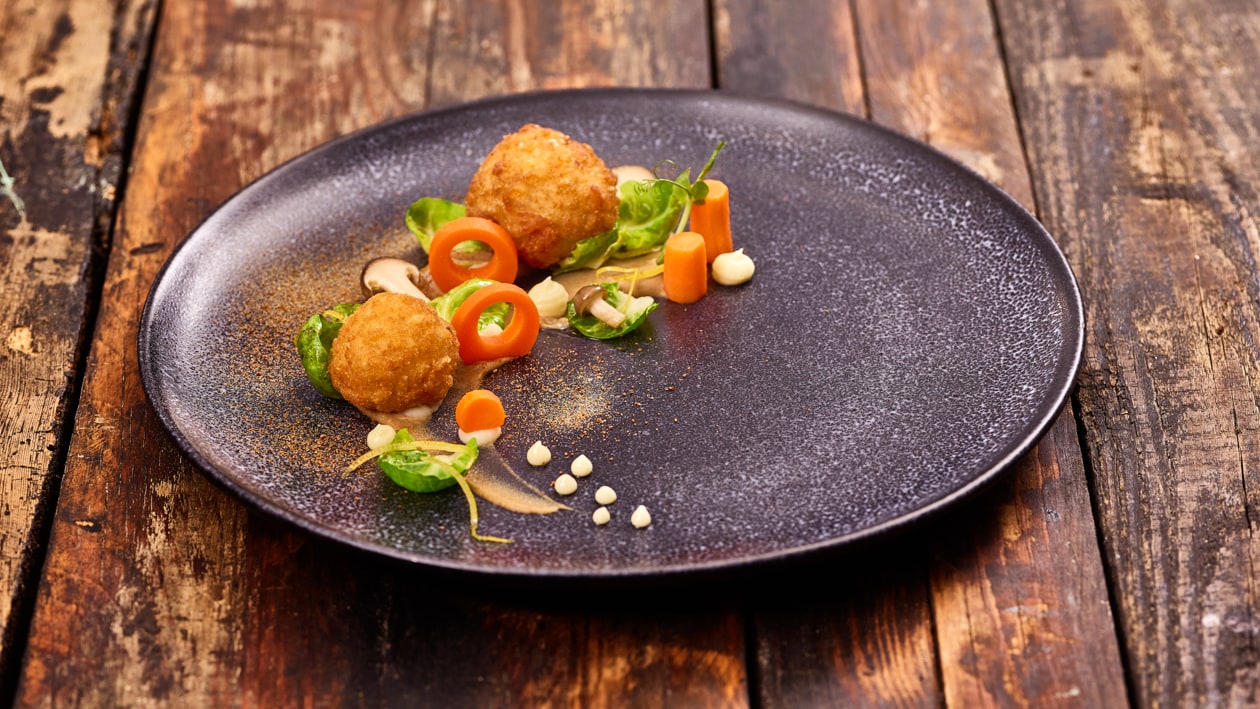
391, 275
589, 300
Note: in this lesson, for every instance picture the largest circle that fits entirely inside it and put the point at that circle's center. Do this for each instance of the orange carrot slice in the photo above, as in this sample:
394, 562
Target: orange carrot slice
712, 220
517, 340
447, 274
686, 270
479, 410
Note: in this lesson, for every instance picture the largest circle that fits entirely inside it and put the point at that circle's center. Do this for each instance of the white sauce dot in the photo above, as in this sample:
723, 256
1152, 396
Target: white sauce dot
605, 495
538, 454
734, 268
485, 436
601, 516
641, 517
565, 485
550, 297
581, 466
380, 436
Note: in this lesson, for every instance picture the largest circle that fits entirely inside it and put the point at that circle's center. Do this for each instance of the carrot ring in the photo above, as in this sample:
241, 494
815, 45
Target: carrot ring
517, 340
447, 274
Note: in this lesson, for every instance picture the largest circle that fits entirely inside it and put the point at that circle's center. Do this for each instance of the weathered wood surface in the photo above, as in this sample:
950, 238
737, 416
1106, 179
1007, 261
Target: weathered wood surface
1142, 117
161, 589
1128, 124
66, 91
997, 584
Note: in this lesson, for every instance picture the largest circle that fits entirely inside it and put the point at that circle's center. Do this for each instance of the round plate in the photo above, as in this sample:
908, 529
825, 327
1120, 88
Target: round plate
910, 331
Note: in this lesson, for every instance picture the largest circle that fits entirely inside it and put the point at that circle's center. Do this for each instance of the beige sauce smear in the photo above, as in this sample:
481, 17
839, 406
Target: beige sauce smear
491, 478
654, 286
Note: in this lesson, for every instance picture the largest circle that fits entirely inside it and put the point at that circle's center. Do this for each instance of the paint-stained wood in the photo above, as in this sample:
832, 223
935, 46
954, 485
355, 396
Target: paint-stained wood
190, 600
66, 90
1140, 119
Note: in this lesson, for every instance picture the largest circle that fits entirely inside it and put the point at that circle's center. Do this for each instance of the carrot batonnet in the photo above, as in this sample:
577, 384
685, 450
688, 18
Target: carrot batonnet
712, 220
686, 269
479, 410
516, 341
447, 274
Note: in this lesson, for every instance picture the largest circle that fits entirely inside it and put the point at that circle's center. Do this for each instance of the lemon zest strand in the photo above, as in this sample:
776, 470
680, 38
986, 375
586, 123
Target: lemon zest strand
472, 504
404, 446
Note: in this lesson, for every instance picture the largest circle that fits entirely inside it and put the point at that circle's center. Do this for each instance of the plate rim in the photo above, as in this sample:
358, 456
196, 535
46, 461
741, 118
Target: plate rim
1061, 385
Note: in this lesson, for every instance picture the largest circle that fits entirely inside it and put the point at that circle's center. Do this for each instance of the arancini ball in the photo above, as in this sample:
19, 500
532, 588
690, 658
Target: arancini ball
547, 190
394, 353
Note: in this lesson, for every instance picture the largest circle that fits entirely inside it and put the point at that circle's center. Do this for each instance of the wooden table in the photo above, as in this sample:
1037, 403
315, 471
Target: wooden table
1116, 564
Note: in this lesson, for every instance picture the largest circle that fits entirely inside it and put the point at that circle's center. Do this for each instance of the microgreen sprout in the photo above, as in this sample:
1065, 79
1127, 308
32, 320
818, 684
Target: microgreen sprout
695, 191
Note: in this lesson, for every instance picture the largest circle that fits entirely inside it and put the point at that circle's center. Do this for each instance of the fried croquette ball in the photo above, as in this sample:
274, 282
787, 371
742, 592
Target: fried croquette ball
393, 353
547, 190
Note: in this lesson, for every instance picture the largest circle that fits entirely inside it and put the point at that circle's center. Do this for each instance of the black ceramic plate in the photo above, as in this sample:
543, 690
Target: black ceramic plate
910, 332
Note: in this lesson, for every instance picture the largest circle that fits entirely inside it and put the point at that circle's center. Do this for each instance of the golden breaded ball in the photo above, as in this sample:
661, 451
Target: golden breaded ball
393, 353
547, 190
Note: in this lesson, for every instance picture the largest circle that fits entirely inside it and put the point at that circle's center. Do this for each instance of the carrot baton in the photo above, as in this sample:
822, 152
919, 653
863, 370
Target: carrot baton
686, 277
711, 218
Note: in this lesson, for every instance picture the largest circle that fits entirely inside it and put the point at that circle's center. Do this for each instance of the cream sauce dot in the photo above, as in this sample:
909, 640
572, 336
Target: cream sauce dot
641, 517
565, 485
601, 516
605, 495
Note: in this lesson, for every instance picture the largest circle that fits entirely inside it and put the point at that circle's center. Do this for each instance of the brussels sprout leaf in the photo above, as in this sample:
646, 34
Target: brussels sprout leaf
428, 214
420, 471
314, 345
635, 309
447, 303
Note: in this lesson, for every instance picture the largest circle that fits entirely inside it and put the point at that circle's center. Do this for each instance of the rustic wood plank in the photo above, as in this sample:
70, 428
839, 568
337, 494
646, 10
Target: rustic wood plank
859, 637
484, 49
1141, 119
803, 51
870, 642
1019, 599
65, 97
160, 589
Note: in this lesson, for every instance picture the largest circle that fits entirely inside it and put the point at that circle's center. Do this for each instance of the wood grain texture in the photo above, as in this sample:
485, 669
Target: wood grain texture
868, 643
161, 590
1021, 607
66, 92
1141, 121
802, 51
1008, 629
1011, 629
857, 633
483, 49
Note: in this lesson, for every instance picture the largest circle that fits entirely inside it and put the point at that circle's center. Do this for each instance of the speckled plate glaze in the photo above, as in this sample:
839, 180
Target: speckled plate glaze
910, 331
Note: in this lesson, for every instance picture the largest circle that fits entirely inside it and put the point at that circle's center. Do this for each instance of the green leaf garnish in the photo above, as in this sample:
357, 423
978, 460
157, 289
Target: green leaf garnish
314, 345
428, 214
635, 309
447, 303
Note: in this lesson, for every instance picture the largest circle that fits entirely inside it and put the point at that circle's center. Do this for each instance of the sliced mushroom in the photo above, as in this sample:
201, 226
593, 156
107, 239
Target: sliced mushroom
390, 275
589, 300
